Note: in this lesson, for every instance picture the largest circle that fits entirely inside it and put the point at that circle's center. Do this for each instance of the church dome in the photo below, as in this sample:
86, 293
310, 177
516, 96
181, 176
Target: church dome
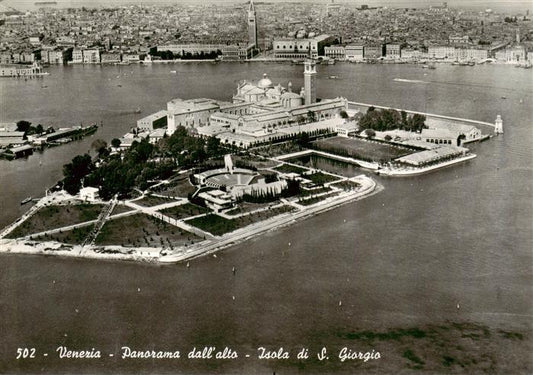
265, 82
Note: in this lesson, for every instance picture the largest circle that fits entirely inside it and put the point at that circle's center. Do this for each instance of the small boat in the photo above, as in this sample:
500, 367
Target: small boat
138, 110
173, 71
26, 200
333, 77
504, 97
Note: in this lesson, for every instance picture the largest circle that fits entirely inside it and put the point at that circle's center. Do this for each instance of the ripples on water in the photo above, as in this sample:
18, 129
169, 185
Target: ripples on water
405, 256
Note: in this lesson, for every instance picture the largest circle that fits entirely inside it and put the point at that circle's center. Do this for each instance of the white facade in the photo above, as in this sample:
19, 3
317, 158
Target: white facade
354, 53
91, 56
441, 52
77, 55
89, 194
335, 52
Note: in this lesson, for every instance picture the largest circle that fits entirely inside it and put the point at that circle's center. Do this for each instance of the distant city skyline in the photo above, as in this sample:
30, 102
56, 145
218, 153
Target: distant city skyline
496, 5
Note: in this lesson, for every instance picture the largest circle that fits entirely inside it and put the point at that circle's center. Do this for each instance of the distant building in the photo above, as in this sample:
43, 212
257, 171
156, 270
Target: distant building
110, 58
54, 57
131, 57
309, 82
441, 52
77, 56
478, 54
354, 53
410, 54
393, 51
252, 26
21, 70
374, 51
332, 8
459, 39
91, 56
335, 52
301, 48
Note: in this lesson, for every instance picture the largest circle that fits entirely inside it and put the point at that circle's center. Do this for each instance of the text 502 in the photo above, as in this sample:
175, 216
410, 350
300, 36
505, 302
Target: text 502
25, 353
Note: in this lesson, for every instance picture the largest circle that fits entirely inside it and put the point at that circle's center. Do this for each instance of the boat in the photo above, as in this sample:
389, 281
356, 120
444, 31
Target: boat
24, 201
333, 77
173, 71
138, 110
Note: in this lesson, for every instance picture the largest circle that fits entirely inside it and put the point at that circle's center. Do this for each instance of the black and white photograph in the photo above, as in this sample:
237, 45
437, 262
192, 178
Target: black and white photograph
266, 187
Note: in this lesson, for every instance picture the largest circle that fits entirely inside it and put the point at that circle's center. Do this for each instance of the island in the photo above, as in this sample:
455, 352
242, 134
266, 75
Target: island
203, 175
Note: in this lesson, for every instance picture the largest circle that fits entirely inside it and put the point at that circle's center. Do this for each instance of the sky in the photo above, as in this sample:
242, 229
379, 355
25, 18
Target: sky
497, 5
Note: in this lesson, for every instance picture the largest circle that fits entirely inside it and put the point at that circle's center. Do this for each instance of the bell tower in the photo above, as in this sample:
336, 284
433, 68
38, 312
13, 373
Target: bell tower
252, 26
309, 82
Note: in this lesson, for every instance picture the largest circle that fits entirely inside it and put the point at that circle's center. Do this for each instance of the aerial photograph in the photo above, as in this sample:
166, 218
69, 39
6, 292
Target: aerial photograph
266, 187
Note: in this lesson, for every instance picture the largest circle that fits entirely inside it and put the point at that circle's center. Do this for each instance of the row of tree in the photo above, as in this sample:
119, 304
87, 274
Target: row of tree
390, 119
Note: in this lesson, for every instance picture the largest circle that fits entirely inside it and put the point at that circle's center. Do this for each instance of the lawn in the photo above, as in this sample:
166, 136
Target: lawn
74, 237
119, 209
150, 201
361, 149
52, 217
320, 178
179, 186
277, 149
244, 207
141, 230
217, 225
184, 211
313, 200
288, 168
254, 161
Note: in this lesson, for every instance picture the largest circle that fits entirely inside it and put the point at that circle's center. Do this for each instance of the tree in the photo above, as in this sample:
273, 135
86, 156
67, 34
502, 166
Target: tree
100, 146
213, 146
23, 126
418, 122
343, 114
115, 142
370, 133
371, 108
311, 116
303, 139
75, 171
403, 115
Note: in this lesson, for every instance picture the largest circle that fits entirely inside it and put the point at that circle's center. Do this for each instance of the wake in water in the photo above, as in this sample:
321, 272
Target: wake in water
409, 80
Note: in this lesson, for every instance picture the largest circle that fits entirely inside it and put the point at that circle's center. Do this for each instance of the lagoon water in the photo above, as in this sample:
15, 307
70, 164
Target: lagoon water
404, 257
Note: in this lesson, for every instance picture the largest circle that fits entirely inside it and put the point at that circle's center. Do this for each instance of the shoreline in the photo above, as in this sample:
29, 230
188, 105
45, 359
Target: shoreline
206, 247
294, 61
